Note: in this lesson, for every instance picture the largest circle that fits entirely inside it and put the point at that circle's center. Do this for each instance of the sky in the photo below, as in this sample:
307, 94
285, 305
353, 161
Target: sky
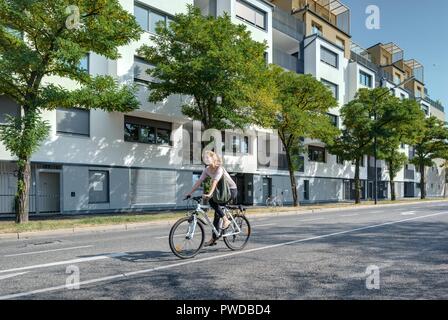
418, 27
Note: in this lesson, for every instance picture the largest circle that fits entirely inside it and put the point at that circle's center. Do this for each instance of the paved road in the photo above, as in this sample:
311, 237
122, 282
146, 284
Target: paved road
303, 256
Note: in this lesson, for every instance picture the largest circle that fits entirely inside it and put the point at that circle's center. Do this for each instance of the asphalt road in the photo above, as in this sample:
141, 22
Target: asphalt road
304, 256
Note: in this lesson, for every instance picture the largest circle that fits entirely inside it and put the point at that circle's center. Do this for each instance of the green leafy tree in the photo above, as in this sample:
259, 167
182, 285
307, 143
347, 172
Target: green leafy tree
302, 103
41, 39
430, 143
370, 114
396, 133
212, 60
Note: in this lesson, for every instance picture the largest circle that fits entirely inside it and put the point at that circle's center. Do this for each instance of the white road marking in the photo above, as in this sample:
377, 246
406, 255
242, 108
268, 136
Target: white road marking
236, 253
407, 213
306, 220
44, 251
265, 225
350, 215
58, 263
12, 275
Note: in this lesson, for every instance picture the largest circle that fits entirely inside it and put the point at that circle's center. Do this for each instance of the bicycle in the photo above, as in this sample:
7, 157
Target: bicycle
190, 230
274, 201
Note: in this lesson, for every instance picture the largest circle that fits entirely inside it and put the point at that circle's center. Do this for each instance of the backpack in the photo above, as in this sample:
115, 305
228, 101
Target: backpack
222, 194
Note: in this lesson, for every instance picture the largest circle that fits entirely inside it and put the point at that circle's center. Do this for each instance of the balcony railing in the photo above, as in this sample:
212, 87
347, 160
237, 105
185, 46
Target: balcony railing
285, 60
288, 24
363, 61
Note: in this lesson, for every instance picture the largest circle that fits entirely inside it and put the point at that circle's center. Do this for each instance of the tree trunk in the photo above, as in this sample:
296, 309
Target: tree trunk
357, 183
392, 184
422, 182
23, 190
292, 177
392, 190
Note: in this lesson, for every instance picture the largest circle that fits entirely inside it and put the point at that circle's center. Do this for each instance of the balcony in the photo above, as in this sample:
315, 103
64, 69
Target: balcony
361, 56
288, 24
332, 11
417, 69
285, 60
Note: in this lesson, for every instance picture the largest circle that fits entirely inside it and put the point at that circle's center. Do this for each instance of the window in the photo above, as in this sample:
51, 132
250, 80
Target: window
425, 109
98, 186
339, 160
147, 131
402, 96
140, 68
306, 189
316, 154
332, 86
329, 57
365, 79
340, 42
316, 28
148, 19
361, 162
251, 14
245, 145
14, 32
334, 120
397, 78
8, 107
84, 64
74, 121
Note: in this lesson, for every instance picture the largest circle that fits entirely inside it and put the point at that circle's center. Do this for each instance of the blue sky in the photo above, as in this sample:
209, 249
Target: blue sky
420, 28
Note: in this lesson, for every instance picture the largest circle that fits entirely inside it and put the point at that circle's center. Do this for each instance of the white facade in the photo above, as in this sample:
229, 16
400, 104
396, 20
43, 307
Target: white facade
144, 176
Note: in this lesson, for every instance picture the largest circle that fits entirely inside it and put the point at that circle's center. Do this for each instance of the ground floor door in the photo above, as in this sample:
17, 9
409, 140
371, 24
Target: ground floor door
409, 189
49, 192
267, 188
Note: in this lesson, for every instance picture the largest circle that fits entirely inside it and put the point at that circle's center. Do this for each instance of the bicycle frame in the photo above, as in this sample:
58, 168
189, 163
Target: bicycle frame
200, 211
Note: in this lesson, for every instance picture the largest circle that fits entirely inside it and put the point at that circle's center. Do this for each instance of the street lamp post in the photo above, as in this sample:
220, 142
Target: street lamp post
374, 136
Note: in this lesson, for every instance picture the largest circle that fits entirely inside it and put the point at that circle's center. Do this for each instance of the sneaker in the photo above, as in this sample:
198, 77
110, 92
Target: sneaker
210, 243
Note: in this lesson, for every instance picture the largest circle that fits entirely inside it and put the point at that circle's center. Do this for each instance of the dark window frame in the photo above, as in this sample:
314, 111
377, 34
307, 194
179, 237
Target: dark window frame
323, 48
108, 186
311, 155
326, 83
144, 123
365, 75
67, 133
150, 9
250, 6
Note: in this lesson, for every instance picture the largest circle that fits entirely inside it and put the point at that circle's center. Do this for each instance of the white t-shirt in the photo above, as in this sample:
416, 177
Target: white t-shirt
217, 176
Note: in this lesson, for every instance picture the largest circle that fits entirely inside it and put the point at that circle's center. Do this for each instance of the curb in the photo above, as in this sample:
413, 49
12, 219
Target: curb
142, 225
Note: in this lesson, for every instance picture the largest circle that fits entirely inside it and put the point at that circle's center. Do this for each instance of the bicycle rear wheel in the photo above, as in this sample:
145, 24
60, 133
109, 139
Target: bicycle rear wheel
238, 241
180, 244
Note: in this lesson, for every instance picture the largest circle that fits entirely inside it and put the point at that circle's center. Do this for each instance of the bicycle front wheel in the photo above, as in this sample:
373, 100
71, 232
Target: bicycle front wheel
183, 242
239, 240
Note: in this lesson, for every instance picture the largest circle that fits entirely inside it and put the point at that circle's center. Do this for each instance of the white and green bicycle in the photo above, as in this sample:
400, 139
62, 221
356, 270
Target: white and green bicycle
188, 234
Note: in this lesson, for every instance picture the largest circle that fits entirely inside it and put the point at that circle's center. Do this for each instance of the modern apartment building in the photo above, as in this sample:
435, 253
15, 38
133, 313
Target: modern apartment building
96, 161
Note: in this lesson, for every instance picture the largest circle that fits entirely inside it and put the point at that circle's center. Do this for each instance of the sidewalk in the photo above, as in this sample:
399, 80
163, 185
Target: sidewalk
251, 212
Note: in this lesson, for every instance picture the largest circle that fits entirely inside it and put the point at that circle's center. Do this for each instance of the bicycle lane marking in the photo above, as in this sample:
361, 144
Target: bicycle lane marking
174, 265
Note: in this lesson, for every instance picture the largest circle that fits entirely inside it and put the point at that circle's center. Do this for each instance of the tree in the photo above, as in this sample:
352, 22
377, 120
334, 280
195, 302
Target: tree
431, 143
396, 133
40, 39
372, 113
302, 103
212, 60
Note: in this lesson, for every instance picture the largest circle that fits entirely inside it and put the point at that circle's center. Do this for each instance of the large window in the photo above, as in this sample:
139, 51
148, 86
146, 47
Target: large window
7, 107
147, 131
332, 86
251, 14
84, 64
235, 142
365, 79
98, 186
140, 68
316, 154
148, 18
73, 121
329, 57
306, 189
334, 120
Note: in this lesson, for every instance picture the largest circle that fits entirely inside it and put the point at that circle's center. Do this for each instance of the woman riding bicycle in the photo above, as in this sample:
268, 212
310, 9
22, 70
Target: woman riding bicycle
215, 171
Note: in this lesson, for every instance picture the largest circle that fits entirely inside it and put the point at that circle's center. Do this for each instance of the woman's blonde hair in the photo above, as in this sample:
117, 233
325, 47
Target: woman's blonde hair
214, 157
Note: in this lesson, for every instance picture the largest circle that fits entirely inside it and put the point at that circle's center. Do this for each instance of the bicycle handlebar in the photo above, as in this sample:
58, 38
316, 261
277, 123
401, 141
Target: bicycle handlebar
197, 199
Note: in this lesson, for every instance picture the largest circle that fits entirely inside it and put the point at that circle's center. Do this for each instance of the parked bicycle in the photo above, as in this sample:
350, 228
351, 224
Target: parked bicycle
187, 234
276, 201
